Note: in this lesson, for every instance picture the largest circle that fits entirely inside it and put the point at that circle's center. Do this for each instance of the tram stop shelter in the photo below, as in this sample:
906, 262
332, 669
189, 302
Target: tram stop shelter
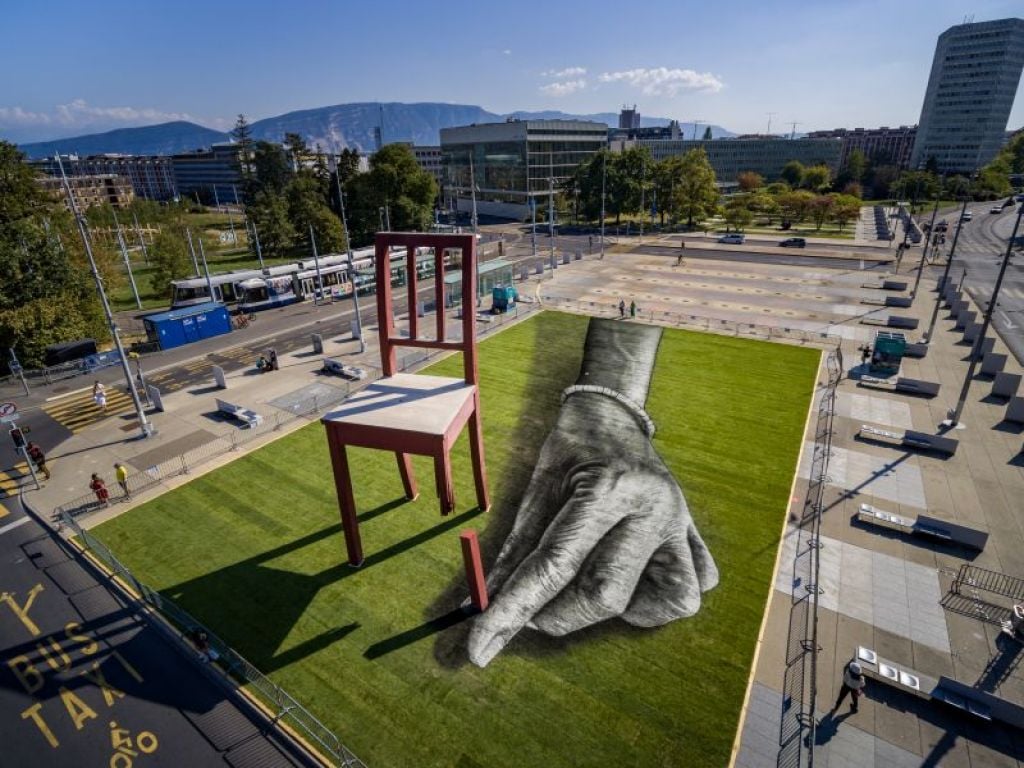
489, 275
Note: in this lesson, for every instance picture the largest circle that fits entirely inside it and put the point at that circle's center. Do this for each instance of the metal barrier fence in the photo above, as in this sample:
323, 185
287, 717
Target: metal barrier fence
798, 726
183, 625
698, 322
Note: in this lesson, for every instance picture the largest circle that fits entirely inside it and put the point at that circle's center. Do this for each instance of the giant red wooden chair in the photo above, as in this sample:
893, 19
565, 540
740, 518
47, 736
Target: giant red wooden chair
410, 413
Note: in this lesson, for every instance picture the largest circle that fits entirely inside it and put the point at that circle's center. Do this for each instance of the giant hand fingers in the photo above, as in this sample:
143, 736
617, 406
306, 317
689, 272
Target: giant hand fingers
541, 575
671, 585
606, 582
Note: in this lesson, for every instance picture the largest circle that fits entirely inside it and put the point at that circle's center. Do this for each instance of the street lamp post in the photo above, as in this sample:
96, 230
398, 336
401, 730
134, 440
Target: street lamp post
142, 240
472, 191
206, 269
604, 176
145, 427
192, 250
316, 261
128, 266
551, 217
945, 274
954, 417
924, 250
351, 262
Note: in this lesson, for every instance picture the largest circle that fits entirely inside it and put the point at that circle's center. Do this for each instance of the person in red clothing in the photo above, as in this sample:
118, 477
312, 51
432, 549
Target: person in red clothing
98, 487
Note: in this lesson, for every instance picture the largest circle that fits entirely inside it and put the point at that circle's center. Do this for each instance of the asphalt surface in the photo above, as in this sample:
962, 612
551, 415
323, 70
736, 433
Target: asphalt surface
87, 680
979, 253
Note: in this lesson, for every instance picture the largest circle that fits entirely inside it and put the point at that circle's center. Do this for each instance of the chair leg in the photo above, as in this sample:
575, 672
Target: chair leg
408, 479
346, 500
476, 453
443, 478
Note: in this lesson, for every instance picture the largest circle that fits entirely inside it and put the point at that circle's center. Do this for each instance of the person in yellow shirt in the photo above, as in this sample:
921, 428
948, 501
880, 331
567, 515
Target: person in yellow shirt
122, 478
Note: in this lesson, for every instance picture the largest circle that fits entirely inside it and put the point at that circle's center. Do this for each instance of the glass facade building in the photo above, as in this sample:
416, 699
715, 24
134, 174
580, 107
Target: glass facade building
513, 161
974, 78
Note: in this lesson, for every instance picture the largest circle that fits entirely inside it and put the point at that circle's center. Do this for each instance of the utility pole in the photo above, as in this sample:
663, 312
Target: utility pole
954, 417
472, 190
145, 427
206, 269
142, 240
551, 217
945, 273
192, 250
533, 223
770, 116
604, 177
256, 240
792, 133
351, 263
924, 250
316, 261
127, 262
128, 266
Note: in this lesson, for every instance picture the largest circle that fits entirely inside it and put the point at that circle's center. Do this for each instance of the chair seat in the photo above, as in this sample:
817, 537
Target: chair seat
407, 402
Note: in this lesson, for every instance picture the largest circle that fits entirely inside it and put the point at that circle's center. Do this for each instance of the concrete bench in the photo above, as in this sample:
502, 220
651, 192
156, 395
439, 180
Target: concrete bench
993, 364
917, 387
910, 439
251, 418
898, 321
915, 349
351, 372
898, 301
1015, 410
874, 516
1005, 384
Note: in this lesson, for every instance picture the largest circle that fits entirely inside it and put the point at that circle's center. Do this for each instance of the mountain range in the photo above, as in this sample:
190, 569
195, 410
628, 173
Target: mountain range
333, 128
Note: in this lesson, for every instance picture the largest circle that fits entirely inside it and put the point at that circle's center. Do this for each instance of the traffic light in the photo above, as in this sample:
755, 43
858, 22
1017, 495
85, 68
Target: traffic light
18, 437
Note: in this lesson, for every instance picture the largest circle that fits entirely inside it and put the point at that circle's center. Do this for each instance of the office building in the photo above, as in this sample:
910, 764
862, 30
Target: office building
974, 78
213, 174
151, 176
881, 146
429, 159
766, 155
90, 191
514, 161
629, 119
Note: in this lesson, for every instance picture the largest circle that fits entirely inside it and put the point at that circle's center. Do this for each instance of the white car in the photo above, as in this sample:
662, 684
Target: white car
996, 209
735, 239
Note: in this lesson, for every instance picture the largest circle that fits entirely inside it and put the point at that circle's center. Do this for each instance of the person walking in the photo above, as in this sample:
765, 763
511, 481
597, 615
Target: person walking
853, 684
622, 309
98, 487
632, 308
121, 473
99, 396
38, 458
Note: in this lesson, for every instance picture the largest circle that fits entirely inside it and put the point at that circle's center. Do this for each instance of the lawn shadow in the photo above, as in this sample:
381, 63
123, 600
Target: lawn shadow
278, 598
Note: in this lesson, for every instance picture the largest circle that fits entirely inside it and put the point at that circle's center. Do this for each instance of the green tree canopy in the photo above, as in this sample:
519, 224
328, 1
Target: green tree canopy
817, 177
395, 180
793, 173
696, 192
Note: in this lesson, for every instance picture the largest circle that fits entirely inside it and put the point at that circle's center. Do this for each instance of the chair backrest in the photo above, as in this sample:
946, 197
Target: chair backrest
440, 244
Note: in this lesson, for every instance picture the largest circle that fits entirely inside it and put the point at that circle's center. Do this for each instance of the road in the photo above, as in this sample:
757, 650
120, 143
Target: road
980, 252
87, 680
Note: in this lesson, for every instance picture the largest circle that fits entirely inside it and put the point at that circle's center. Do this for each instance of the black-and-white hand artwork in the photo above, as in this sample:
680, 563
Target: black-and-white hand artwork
603, 529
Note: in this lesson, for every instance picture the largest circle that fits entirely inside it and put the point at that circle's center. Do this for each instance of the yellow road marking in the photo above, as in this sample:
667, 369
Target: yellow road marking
76, 413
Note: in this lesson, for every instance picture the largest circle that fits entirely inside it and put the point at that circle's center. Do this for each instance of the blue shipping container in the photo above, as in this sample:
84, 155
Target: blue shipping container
183, 326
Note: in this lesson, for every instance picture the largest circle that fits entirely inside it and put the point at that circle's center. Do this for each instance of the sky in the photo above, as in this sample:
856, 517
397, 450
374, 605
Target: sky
72, 67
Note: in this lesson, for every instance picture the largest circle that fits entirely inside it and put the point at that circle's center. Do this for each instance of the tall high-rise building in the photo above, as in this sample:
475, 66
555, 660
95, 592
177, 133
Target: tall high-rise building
974, 78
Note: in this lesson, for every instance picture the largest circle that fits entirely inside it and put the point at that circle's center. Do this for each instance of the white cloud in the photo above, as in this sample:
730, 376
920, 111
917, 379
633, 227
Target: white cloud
507, 51
79, 111
561, 74
19, 116
563, 88
662, 80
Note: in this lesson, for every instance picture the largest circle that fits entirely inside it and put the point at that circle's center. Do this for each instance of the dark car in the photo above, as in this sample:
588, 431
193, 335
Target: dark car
793, 242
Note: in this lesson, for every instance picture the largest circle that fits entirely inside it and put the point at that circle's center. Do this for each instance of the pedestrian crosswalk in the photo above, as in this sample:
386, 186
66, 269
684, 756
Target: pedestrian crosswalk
10, 481
78, 411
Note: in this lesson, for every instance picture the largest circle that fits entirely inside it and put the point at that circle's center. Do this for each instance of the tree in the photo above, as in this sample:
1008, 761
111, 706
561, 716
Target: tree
696, 194
846, 208
750, 180
793, 173
169, 259
819, 208
777, 188
48, 294
737, 212
707, 134
817, 177
242, 136
879, 179
269, 212
664, 175
795, 205
854, 189
760, 203
296, 148
395, 180
271, 169
856, 165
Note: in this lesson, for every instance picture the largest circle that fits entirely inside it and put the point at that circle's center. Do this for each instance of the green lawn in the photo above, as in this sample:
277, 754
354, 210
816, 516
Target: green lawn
255, 549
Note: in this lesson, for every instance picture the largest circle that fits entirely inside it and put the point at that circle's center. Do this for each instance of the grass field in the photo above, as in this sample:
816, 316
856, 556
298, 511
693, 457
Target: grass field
255, 550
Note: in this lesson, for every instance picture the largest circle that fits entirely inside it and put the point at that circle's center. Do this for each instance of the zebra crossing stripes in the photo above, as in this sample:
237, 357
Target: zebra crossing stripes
10, 481
79, 411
